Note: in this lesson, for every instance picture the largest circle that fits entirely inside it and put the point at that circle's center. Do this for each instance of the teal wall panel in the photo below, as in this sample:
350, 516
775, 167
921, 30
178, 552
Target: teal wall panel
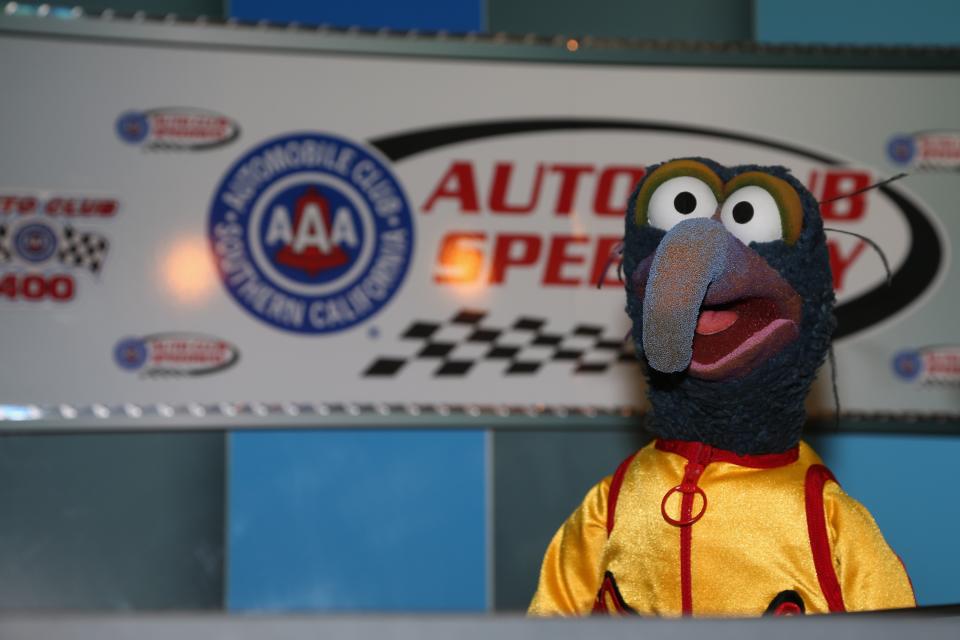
111, 521
676, 20
540, 477
889, 22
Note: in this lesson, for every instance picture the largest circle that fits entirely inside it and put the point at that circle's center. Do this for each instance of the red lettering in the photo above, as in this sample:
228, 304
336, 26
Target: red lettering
942, 363
461, 259
17, 204
54, 206
569, 179
605, 204
61, 287
477, 257
558, 257
939, 148
8, 286
460, 184
106, 208
609, 198
836, 184
839, 263
80, 207
34, 286
506, 254
604, 262
501, 185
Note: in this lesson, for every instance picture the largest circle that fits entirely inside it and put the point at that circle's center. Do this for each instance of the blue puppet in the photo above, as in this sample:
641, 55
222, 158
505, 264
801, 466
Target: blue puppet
727, 512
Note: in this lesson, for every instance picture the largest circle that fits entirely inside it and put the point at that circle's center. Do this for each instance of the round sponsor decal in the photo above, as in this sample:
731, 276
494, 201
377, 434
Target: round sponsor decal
908, 364
926, 150
133, 127
312, 232
35, 242
186, 128
131, 353
935, 364
175, 354
902, 149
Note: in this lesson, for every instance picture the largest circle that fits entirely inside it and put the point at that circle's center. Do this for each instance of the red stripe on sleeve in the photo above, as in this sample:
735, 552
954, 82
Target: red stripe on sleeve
615, 485
817, 476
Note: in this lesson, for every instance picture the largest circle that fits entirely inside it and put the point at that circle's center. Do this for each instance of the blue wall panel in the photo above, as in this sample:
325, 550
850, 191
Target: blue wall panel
427, 15
357, 520
909, 484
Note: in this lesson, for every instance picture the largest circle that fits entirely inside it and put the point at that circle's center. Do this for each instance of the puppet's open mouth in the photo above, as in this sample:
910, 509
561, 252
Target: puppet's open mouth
712, 305
731, 338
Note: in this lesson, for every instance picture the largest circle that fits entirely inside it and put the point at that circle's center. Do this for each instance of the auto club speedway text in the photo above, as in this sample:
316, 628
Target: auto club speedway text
477, 257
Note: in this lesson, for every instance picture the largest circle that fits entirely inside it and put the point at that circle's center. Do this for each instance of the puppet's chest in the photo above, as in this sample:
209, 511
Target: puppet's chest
706, 537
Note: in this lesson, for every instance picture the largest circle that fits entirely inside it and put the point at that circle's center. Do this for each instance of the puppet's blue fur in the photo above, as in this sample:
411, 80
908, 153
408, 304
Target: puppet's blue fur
763, 411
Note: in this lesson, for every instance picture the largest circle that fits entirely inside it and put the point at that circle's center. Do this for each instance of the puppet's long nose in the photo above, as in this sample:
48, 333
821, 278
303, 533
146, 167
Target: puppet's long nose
690, 257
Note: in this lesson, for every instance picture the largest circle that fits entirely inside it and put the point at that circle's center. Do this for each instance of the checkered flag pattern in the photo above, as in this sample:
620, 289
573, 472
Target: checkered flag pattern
82, 250
5, 254
524, 347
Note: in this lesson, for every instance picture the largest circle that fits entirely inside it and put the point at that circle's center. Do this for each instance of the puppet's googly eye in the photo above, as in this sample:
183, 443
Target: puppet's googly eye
751, 214
679, 199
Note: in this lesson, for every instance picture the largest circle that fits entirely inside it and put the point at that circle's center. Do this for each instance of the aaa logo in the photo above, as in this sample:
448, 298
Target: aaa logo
312, 233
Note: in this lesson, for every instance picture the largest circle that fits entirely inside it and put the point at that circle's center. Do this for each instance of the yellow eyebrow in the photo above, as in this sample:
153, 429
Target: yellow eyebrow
786, 197
674, 169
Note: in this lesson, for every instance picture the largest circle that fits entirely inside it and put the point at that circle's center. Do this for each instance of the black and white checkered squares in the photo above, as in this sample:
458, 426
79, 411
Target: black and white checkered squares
5, 254
83, 250
523, 347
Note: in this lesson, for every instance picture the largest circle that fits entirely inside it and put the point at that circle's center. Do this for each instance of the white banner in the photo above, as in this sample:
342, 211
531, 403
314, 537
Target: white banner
203, 225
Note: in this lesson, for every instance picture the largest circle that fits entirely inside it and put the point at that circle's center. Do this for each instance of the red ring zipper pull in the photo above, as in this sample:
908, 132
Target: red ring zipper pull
691, 476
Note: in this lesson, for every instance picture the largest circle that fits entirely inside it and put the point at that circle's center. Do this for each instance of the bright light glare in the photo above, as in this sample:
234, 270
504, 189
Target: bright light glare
16, 413
462, 271
187, 270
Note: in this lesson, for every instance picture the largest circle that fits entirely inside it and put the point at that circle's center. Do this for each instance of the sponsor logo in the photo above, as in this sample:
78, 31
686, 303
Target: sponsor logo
48, 241
926, 150
35, 242
311, 232
508, 210
176, 128
929, 365
175, 354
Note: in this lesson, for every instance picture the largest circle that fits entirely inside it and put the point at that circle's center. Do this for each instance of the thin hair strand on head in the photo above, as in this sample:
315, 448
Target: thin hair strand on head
873, 245
615, 254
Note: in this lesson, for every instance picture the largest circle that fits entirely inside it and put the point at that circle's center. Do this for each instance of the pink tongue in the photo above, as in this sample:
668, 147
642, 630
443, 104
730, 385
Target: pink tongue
711, 322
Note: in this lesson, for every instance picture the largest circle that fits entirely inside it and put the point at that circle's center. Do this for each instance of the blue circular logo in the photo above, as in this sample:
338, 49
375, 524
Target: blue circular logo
908, 364
902, 149
311, 232
131, 353
35, 242
133, 127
